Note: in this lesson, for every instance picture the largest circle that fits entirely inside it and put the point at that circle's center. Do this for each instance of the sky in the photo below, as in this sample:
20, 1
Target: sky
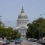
10, 9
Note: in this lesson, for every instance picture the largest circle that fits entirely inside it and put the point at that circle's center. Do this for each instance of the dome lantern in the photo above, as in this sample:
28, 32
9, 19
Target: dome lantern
22, 11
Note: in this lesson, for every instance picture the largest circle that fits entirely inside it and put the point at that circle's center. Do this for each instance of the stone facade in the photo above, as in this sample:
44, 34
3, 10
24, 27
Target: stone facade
22, 22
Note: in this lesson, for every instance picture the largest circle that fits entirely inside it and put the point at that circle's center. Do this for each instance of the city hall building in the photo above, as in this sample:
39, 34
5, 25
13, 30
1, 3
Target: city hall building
22, 22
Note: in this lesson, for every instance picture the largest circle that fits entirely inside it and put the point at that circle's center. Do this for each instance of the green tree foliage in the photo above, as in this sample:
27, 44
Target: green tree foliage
28, 34
35, 27
15, 34
29, 31
9, 32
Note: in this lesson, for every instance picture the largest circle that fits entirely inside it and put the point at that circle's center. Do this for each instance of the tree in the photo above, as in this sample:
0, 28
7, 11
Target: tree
28, 34
18, 35
8, 32
39, 27
36, 27
29, 31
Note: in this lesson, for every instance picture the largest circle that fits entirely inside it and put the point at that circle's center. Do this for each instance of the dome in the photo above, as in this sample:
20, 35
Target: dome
22, 14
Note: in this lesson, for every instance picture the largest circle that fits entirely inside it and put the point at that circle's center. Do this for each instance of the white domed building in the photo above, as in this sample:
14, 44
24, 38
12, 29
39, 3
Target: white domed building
22, 22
